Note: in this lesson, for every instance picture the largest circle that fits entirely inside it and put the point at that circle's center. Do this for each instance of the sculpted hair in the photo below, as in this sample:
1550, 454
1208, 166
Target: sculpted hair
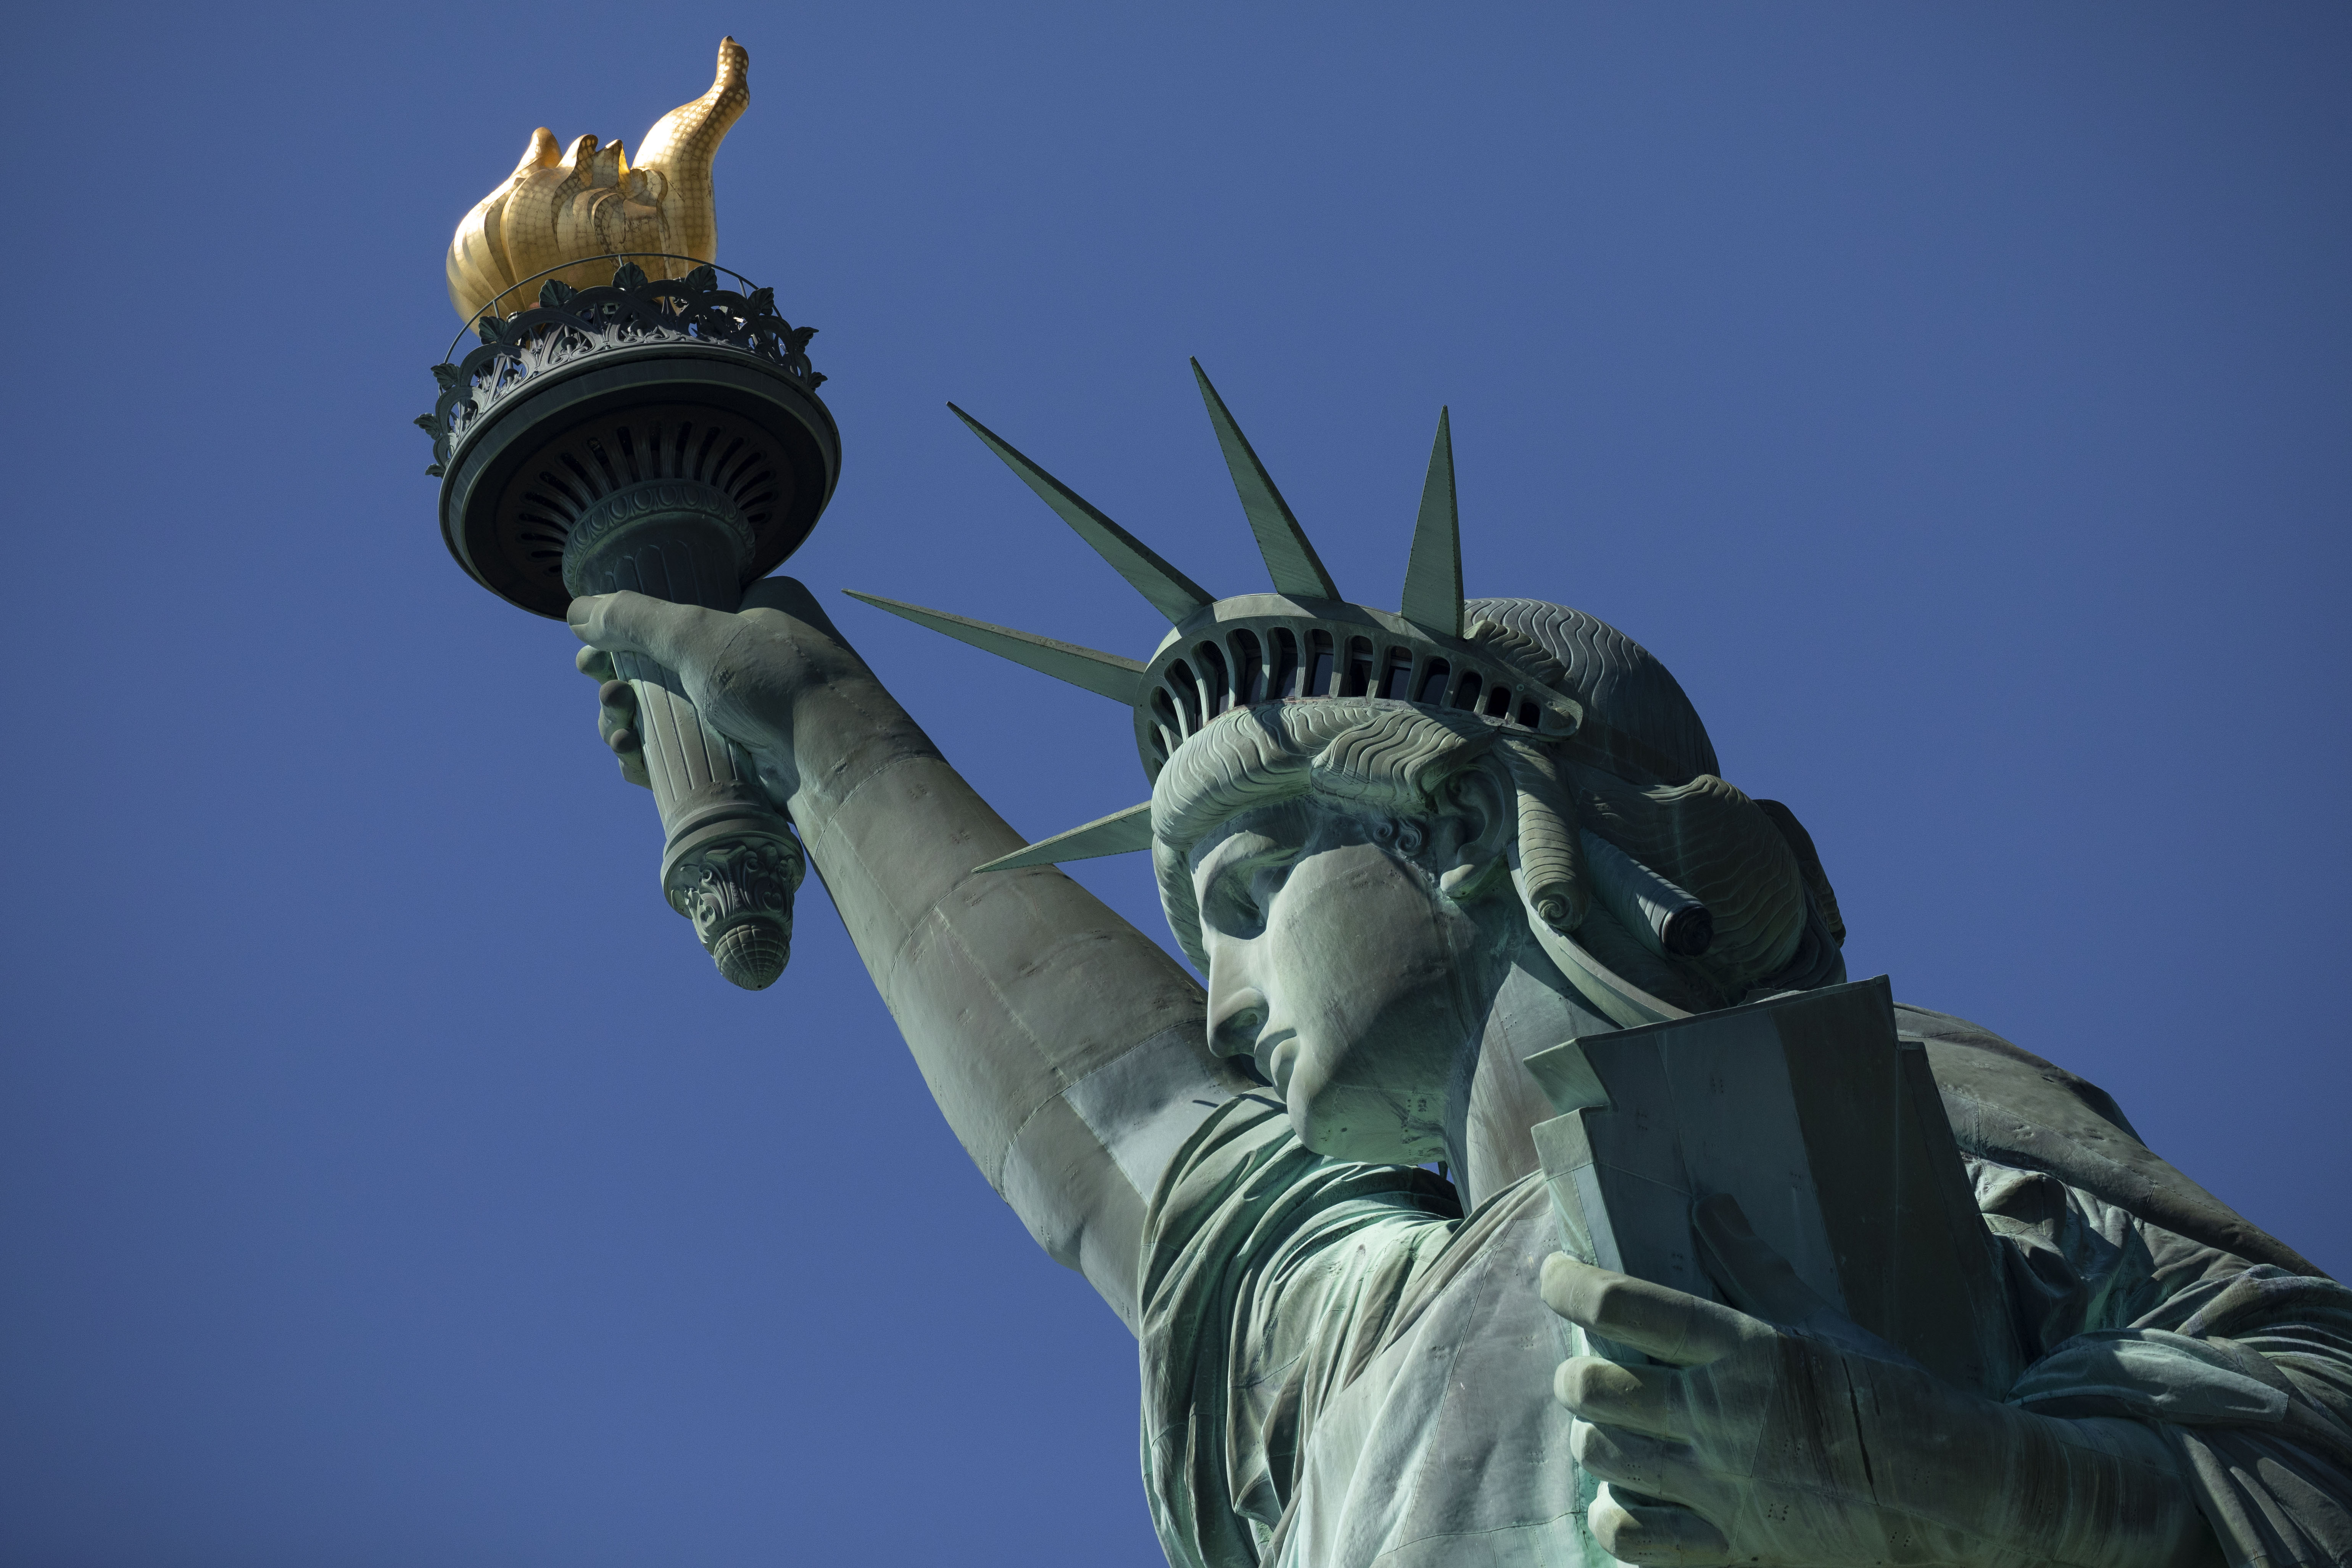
1393, 757
1386, 756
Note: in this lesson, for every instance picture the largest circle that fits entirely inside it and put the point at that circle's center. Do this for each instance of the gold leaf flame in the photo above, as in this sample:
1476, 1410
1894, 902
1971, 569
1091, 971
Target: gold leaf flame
589, 202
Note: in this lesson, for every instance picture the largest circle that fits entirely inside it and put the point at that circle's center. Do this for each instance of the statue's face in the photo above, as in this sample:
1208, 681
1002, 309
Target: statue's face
1336, 964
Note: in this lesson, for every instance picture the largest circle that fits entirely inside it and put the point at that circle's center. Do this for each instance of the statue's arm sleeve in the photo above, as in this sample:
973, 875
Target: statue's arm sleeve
1064, 1048
2245, 1370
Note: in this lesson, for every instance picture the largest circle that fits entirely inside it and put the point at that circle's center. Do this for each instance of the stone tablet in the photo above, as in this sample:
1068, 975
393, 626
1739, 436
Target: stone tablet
1824, 1124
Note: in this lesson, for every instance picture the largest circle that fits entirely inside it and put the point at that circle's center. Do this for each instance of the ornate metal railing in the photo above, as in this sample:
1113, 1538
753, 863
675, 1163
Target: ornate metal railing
634, 311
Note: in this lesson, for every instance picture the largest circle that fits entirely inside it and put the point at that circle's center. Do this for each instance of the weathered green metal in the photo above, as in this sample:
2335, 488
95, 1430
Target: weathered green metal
1289, 554
1433, 573
1105, 674
1119, 834
1410, 862
1172, 593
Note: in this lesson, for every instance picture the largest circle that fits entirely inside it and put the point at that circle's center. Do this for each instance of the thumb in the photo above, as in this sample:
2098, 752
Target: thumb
672, 636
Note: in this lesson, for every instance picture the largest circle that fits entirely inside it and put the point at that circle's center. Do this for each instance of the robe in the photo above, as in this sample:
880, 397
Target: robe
1342, 1370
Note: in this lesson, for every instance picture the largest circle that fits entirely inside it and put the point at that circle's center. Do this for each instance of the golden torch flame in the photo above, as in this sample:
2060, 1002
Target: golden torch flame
591, 201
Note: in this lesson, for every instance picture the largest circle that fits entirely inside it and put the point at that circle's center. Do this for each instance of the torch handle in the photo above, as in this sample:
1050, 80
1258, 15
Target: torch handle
684, 756
730, 863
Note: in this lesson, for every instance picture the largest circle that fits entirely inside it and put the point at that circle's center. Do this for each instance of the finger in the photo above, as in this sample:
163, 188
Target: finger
1756, 1277
670, 635
1647, 1465
616, 714
1604, 1392
1680, 1330
630, 748
616, 725
1646, 1532
594, 663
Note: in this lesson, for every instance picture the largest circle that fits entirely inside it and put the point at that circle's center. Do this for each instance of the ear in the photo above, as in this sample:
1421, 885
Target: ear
1484, 808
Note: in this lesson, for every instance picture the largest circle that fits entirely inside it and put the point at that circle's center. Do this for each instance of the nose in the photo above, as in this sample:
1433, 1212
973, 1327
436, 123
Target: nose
1235, 1019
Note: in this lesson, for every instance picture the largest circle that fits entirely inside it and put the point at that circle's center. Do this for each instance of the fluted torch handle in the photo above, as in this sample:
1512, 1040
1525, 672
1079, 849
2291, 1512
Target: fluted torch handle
730, 863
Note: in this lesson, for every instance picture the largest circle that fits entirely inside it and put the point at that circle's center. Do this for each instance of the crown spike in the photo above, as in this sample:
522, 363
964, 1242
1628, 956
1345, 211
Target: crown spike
1290, 556
1433, 575
1105, 674
1117, 834
1172, 593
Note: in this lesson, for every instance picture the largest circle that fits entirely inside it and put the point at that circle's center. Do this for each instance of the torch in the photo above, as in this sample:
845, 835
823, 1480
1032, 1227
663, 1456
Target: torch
660, 432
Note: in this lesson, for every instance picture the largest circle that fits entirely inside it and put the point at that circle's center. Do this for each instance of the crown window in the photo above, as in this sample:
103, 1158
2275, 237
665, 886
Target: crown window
1396, 674
1215, 690
1188, 694
1318, 679
1285, 663
1249, 668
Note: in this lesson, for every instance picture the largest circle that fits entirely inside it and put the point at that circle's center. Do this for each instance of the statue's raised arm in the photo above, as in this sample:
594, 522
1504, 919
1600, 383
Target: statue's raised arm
1064, 1048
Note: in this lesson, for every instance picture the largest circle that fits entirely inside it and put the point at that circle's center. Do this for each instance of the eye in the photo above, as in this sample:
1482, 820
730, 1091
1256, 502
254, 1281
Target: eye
1233, 906
1237, 898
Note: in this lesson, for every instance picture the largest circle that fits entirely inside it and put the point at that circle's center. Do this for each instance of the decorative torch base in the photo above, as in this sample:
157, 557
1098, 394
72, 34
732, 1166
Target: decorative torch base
732, 866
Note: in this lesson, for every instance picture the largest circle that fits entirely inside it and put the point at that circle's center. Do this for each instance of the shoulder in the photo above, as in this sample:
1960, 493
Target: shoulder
1270, 1274
2009, 1106
1244, 1185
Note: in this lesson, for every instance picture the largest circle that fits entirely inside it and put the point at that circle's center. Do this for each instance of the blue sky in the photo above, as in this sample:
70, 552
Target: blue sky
1955, 397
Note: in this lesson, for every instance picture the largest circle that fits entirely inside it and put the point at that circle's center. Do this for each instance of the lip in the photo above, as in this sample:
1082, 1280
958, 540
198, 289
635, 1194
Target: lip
1278, 1062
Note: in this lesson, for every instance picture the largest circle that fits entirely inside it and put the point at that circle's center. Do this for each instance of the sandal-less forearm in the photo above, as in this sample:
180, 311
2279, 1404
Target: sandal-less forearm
1064, 1048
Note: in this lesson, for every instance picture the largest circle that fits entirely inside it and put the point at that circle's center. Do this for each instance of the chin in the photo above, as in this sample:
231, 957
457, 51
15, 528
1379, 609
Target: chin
1374, 1127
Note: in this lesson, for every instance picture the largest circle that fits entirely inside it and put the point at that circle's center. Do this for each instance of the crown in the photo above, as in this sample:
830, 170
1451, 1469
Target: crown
1301, 642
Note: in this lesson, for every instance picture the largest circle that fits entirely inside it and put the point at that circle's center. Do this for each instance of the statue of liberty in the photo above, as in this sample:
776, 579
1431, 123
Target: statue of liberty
1435, 864
1409, 850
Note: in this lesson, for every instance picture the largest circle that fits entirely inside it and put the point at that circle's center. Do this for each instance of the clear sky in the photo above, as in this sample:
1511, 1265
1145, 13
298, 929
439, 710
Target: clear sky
1953, 396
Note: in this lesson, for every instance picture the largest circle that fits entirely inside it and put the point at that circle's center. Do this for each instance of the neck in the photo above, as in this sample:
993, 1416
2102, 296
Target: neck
1496, 1101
